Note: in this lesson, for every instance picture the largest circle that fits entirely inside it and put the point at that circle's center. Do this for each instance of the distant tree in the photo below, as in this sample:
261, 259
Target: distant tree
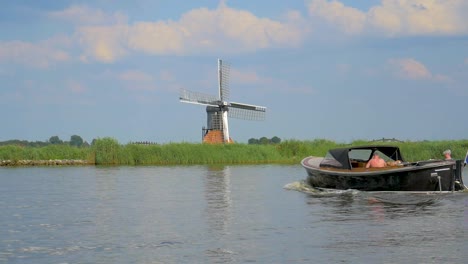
264, 140
85, 144
76, 141
253, 141
37, 144
55, 140
93, 142
275, 140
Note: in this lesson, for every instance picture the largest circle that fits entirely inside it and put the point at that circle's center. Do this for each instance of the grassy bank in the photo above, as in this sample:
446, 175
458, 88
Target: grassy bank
108, 151
51, 152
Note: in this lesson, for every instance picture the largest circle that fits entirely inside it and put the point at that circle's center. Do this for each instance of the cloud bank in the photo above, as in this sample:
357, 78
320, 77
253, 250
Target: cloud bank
395, 17
198, 31
108, 37
411, 69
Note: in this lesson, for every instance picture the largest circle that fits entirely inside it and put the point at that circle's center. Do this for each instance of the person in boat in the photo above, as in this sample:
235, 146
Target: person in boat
447, 154
376, 162
394, 163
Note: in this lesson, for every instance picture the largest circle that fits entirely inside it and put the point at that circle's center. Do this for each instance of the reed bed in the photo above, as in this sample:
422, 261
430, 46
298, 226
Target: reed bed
108, 151
188, 153
50, 152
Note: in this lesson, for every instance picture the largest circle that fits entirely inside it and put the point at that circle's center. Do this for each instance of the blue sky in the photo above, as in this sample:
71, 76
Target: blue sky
339, 70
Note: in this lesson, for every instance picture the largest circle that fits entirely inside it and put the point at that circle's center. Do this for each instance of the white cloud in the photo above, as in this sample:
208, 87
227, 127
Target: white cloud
408, 68
102, 43
396, 17
348, 19
201, 30
83, 15
40, 55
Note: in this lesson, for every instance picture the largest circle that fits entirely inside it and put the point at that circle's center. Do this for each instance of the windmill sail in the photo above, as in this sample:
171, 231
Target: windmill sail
218, 108
223, 80
187, 96
246, 111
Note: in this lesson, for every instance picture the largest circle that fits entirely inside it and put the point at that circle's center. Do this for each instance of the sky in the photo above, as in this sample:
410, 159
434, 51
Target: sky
340, 70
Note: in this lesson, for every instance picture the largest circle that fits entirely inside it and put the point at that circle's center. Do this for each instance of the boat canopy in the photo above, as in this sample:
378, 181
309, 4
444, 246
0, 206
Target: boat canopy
341, 157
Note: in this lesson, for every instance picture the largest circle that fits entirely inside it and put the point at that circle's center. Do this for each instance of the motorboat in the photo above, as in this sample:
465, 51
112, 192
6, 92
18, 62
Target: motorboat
346, 168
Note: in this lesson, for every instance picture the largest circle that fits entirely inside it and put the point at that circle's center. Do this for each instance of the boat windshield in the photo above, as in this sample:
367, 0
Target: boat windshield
330, 161
365, 155
360, 154
342, 158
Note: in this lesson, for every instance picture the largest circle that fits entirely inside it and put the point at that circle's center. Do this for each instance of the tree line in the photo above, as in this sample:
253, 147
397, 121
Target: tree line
75, 141
264, 140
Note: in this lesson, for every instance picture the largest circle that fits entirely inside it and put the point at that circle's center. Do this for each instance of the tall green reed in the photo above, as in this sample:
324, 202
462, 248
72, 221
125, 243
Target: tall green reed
108, 151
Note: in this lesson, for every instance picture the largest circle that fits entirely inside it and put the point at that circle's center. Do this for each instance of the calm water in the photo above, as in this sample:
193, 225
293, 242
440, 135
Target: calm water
231, 214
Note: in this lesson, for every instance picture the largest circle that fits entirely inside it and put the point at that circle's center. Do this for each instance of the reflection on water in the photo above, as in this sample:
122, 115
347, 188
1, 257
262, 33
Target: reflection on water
218, 210
218, 198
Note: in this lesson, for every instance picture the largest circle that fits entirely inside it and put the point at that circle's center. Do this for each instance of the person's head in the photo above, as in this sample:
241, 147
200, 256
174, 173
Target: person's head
447, 152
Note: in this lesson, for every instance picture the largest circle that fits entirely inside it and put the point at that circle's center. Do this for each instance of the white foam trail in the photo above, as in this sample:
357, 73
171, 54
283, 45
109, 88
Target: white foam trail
304, 187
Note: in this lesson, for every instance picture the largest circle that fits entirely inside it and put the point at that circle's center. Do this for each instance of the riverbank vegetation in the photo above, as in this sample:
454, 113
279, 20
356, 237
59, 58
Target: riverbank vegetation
108, 151
75, 141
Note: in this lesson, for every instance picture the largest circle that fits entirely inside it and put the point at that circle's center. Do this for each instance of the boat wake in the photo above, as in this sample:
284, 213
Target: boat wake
303, 186
407, 198
384, 197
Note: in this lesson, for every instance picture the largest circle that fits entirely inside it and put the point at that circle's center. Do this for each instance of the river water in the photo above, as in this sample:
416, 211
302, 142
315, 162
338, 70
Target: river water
218, 214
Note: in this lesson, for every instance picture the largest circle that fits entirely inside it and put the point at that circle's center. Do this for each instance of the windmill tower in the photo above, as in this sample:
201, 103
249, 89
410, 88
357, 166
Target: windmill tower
218, 108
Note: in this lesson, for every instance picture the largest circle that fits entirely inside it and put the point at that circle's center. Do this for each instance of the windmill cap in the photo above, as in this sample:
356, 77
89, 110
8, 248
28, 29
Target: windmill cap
447, 152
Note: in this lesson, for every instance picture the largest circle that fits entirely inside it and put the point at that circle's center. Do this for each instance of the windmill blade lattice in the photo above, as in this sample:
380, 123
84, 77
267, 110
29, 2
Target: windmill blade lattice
223, 78
247, 112
198, 98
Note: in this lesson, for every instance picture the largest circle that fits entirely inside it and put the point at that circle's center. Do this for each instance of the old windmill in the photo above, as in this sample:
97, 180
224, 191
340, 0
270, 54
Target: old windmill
218, 108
